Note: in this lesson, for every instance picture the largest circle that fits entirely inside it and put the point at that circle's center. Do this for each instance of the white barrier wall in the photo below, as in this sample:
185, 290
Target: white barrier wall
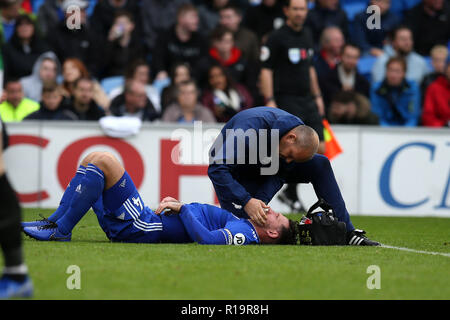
404, 172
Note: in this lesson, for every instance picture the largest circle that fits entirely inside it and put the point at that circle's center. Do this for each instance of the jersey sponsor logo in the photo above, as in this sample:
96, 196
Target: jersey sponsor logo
123, 183
229, 236
265, 53
239, 239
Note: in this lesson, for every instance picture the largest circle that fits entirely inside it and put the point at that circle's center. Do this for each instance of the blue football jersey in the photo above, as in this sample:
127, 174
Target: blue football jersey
208, 224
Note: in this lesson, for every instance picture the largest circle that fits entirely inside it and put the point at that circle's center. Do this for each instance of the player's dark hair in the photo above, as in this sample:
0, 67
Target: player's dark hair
288, 235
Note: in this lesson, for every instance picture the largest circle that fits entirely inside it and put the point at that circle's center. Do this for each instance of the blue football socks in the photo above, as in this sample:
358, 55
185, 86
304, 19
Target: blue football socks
86, 193
68, 194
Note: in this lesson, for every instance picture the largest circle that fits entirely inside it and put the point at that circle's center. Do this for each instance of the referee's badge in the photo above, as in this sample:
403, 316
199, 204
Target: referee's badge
294, 55
265, 53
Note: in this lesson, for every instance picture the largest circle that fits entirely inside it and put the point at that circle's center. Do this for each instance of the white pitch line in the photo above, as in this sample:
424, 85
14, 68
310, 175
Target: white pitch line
416, 251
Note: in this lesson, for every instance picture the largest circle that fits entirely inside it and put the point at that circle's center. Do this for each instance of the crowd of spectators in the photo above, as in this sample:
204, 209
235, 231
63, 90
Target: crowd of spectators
187, 60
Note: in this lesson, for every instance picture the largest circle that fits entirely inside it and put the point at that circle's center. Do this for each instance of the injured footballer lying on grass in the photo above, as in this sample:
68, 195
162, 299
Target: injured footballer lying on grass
102, 183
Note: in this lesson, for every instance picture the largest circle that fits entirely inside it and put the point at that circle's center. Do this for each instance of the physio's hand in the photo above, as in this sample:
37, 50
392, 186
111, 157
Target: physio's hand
169, 199
173, 206
256, 210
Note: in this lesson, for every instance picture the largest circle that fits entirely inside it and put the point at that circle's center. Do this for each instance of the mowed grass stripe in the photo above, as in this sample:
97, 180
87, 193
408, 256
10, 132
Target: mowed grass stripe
191, 271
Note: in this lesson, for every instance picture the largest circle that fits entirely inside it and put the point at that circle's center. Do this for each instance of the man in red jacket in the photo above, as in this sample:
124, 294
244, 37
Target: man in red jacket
436, 109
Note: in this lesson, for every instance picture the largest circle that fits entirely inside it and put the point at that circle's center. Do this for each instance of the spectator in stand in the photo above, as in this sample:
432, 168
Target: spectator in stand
345, 77
182, 43
23, 49
372, 41
223, 97
331, 43
123, 45
436, 109
264, 18
9, 12
157, 17
326, 13
134, 102
49, 16
106, 12
402, 46
396, 100
439, 56
349, 107
180, 72
82, 43
74, 69
208, 12
16, 107
187, 109
245, 40
241, 69
46, 69
139, 70
430, 24
53, 106
82, 103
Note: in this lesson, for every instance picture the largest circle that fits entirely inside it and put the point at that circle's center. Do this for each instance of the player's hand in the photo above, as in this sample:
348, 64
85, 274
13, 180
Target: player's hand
173, 206
256, 210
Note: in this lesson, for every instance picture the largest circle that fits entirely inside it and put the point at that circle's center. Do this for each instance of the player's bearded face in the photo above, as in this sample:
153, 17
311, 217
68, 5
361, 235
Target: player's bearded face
276, 220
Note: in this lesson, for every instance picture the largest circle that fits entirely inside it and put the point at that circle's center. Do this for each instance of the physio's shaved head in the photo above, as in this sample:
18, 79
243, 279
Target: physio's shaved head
307, 138
299, 144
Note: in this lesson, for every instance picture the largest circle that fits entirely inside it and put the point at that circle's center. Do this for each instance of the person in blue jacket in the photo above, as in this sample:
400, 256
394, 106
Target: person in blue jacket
396, 100
262, 148
103, 184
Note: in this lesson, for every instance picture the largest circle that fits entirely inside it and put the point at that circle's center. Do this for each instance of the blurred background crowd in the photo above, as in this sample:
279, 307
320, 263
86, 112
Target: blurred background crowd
186, 60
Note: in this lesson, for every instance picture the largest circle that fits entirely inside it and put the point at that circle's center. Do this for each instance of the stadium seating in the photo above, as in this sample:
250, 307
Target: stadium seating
365, 66
353, 7
37, 4
110, 83
159, 85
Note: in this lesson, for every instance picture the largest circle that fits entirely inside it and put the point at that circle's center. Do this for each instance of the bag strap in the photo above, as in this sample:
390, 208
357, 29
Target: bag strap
322, 204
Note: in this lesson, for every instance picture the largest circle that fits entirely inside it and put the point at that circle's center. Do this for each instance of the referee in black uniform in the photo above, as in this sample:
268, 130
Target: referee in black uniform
288, 78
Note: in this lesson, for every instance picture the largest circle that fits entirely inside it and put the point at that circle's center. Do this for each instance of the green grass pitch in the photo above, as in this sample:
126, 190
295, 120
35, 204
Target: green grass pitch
197, 272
